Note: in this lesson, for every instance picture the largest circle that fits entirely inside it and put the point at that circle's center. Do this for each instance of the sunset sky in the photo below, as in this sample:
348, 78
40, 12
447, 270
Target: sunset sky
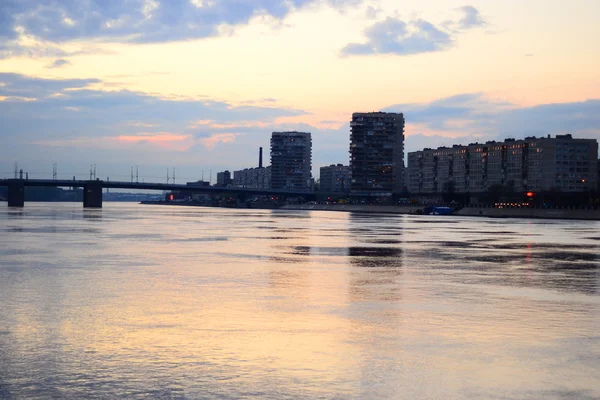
199, 85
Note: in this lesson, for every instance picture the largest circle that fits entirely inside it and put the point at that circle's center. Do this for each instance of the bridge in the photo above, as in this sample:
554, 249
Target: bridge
92, 190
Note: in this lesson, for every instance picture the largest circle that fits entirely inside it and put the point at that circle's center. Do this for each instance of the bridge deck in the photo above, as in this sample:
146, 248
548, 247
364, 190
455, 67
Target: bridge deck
152, 186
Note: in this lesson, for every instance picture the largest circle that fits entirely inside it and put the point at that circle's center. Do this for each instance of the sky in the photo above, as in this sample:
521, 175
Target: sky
198, 85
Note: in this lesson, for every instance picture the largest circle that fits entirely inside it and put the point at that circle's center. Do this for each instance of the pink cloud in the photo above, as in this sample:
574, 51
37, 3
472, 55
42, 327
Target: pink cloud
212, 141
159, 137
165, 140
228, 125
422, 129
201, 122
242, 124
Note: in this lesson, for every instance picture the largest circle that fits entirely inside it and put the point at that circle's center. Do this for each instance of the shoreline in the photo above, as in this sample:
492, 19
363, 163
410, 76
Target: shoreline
535, 213
482, 212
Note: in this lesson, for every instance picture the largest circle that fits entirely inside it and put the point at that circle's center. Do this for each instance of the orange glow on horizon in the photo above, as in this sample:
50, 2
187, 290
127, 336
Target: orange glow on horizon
153, 138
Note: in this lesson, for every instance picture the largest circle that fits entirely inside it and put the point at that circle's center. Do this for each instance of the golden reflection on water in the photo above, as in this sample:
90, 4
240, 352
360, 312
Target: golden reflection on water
183, 302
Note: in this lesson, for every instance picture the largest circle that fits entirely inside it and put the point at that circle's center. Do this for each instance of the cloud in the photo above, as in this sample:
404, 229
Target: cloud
36, 49
394, 36
441, 114
421, 141
164, 140
212, 141
17, 85
151, 137
230, 125
68, 121
132, 21
372, 12
471, 18
473, 117
61, 62
69, 109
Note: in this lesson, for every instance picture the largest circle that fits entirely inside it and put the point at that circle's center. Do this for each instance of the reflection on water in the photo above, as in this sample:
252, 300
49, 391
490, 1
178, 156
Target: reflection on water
181, 302
92, 214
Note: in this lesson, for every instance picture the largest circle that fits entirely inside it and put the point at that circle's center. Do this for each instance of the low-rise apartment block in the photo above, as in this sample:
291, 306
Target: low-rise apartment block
255, 178
562, 163
335, 178
224, 178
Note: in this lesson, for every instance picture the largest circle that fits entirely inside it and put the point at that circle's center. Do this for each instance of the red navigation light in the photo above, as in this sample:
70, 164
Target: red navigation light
530, 194
171, 197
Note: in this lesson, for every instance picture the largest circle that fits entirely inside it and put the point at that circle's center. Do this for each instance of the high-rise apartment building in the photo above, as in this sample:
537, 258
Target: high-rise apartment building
377, 153
531, 164
334, 178
291, 154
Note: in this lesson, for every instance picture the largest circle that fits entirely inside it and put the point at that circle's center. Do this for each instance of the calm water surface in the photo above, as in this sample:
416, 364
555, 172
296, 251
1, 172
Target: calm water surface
180, 302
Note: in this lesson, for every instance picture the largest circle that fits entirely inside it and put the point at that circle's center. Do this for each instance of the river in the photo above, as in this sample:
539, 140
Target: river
185, 303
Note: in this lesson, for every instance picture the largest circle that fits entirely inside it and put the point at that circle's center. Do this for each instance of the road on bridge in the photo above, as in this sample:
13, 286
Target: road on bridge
93, 189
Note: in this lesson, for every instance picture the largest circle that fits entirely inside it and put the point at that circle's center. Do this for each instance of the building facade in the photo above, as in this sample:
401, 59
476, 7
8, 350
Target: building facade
224, 178
255, 178
532, 164
377, 153
335, 178
291, 161
598, 175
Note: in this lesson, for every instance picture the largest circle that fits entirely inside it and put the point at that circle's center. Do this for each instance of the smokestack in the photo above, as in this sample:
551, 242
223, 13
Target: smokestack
260, 157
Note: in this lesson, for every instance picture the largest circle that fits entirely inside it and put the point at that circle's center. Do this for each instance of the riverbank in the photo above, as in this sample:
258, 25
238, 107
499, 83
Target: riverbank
578, 214
581, 214
467, 211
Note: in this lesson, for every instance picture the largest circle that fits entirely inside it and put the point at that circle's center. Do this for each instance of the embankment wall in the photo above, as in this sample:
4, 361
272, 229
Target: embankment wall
587, 214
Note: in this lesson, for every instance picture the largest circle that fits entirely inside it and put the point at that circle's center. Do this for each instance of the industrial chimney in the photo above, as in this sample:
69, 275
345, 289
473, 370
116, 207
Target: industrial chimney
260, 157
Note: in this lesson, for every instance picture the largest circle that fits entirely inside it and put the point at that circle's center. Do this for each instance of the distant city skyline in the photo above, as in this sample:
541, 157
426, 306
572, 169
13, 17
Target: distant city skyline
201, 85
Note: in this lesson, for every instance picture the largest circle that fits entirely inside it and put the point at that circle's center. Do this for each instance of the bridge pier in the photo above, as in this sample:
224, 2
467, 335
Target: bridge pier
92, 194
16, 193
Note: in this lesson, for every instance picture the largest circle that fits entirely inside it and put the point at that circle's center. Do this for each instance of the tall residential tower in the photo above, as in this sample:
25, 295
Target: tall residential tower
291, 154
377, 153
